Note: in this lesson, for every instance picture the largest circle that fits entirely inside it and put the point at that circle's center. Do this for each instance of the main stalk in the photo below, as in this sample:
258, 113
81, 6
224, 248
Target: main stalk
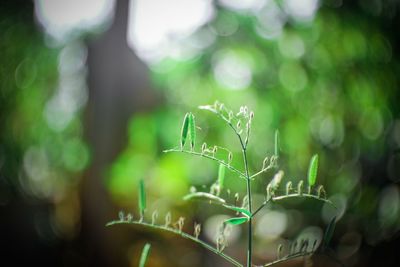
249, 228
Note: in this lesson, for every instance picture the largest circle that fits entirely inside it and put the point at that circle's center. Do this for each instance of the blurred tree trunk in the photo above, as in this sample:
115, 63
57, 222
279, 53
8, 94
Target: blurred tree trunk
118, 86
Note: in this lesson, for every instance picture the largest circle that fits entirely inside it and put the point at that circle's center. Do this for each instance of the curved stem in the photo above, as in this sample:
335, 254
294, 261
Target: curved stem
299, 255
287, 258
183, 235
294, 195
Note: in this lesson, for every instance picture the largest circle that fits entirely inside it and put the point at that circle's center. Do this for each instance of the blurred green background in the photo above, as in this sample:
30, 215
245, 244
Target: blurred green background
93, 92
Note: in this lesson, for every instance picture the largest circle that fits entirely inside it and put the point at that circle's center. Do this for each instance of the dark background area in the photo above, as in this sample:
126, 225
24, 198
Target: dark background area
119, 86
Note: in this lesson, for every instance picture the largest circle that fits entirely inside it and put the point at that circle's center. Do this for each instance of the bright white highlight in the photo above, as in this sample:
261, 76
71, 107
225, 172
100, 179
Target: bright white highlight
155, 24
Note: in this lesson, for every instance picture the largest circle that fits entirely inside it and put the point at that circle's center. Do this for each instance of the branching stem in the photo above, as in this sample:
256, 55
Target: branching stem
294, 195
183, 235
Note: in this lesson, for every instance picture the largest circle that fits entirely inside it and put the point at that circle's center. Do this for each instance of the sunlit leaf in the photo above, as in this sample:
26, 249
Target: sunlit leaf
221, 175
185, 128
145, 254
329, 232
237, 220
192, 130
312, 170
241, 210
204, 196
142, 198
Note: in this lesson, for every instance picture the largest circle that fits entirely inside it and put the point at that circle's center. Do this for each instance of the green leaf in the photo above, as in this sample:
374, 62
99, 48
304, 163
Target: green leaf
237, 220
145, 254
221, 175
204, 195
277, 143
142, 197
241, 210
329, 232
185, 128
192, 130
312, 170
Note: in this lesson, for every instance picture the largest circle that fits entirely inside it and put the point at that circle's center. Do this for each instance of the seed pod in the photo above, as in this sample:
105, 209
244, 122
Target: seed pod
321, 192
288, 187
245, 202
197, 229
279, 252
184, 131
215, 189
276, 181
314, 245
154, 217
221, 107
251, 115
121, 216
238, 124
230, 157
270, 192
167, 219
192, 189
215, 149
180, 222
300, 187
294, 247
203, 148
265, 163
304, 246
230, 116
245, 110
236, 198
129, 217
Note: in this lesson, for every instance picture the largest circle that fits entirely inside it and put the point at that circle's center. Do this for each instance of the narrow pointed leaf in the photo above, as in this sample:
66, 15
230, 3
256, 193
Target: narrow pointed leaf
221, 175
142, 197
192, 130
241, 210
145, 254
277, 143
185, 128
204, 196
329, 232
312, 170
237, 220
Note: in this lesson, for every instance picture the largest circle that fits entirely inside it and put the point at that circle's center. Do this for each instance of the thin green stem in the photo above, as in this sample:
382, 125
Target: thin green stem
260, 172
183, 235
301, 255
294, 195
287, 258
230, 167
249, 198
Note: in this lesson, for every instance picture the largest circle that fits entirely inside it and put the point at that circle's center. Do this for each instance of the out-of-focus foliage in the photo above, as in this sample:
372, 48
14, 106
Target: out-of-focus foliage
325, 80
42, 91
